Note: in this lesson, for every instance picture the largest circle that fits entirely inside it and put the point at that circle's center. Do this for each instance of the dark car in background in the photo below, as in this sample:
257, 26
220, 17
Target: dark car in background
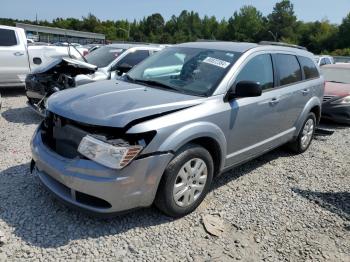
336, 100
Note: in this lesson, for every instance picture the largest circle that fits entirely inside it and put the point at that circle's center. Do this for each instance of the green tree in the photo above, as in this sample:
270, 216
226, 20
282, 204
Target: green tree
344, 33
282, 22
246, 25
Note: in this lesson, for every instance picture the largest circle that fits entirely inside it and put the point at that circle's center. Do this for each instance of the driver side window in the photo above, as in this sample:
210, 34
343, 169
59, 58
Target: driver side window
258, 69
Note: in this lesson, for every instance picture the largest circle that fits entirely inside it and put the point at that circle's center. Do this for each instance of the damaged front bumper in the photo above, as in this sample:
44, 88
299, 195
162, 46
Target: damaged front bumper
97, 189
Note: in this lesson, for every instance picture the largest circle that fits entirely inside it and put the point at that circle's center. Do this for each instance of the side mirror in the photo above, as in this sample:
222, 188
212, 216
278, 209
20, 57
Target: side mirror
122, 68
244, 89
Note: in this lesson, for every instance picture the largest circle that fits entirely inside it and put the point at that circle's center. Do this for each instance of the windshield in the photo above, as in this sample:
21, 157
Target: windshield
340, 75
103, 56
194, 71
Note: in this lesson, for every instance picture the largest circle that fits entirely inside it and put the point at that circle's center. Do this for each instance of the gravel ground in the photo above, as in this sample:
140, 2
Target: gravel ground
279, 207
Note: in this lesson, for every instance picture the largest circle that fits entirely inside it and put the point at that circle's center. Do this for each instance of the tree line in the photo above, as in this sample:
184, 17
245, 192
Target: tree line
248, 25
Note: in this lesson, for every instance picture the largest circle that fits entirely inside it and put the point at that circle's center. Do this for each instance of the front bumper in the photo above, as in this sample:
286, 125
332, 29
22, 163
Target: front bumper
92, 187
336, 113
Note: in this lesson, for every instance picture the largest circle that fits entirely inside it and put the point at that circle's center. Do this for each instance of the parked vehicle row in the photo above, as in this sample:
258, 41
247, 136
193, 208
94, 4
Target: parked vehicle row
163, 131
336, 100
324, 60
107, 62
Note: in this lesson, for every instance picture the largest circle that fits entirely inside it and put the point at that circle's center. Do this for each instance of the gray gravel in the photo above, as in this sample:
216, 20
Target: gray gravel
279, 207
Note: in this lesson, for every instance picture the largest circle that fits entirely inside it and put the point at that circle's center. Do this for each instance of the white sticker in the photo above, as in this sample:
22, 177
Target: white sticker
216, 62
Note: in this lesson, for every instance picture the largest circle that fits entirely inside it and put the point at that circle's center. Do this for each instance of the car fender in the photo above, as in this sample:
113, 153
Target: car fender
194, 131
314, 101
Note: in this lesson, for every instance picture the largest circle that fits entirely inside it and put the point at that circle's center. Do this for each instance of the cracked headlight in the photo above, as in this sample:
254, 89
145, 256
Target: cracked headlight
112, 156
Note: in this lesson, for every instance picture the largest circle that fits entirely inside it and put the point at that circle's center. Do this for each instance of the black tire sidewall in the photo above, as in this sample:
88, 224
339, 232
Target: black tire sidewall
300, 147
164, 199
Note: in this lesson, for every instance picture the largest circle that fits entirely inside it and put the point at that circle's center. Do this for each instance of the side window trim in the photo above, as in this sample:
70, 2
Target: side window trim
303, 77
274, 74
303, 72
276, 77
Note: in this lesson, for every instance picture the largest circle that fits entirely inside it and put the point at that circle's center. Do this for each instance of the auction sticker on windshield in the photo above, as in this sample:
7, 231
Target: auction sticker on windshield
216, 62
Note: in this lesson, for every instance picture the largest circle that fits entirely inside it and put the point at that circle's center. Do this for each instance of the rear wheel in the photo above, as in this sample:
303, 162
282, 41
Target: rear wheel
303, 141
186, 181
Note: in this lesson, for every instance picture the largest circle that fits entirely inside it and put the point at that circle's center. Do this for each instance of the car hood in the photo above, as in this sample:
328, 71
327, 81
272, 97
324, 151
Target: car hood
337, 89
113, 103
62, 63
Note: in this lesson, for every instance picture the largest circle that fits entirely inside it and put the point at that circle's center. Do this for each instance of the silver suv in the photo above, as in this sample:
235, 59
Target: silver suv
174, 122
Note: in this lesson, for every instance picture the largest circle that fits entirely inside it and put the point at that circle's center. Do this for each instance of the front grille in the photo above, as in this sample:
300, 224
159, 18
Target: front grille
32, 84
63, 135
327, 98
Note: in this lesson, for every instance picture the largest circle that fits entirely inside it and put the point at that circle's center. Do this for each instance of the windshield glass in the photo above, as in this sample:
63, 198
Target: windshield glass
340, 75
103, 56
194, 71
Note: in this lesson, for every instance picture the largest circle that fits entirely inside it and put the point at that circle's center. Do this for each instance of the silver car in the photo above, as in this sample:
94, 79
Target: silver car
164, 131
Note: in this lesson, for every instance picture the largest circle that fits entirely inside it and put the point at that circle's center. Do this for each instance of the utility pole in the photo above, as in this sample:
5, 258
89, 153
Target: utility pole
275, 36
127, 31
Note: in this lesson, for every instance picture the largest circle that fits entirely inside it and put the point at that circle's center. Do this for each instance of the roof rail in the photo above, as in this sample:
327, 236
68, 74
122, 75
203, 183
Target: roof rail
282, 44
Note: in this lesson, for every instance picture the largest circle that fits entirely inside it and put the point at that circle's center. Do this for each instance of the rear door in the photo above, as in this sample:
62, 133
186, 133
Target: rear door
13, 58
293, 90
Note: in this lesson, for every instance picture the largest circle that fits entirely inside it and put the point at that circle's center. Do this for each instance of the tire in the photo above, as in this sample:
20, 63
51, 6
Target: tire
177, 195
299, 145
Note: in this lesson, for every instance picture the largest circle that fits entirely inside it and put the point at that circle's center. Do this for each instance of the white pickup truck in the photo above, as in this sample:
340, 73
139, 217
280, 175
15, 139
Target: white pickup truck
14, 57
17, 59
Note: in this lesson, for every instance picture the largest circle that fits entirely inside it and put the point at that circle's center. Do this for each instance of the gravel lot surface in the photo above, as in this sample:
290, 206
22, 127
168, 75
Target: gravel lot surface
279, 207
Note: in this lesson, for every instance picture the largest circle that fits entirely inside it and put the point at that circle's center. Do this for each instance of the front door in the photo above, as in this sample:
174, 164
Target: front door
255, 123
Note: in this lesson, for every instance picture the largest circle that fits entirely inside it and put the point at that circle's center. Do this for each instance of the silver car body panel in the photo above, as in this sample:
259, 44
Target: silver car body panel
242, 128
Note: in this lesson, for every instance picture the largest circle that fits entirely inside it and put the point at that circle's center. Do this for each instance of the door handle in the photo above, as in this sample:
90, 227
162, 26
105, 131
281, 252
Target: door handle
305, 92
274, 101
18, 54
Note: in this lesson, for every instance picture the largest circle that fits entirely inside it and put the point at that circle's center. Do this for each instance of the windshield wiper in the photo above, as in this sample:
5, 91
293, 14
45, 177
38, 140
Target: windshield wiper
156, 83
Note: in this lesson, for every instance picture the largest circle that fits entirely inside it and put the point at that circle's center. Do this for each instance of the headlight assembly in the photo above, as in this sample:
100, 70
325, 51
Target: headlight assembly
112, 156
343, 100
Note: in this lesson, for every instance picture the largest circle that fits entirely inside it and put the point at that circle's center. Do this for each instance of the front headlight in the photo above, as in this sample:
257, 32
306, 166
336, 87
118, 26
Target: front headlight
344, 100
106, 154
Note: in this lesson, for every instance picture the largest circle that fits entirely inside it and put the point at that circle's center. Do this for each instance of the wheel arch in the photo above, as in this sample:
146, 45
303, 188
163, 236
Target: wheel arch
205, 134
314, 106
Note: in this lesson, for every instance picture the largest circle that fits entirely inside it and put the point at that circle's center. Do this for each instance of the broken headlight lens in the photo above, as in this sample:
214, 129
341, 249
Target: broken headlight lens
112, 156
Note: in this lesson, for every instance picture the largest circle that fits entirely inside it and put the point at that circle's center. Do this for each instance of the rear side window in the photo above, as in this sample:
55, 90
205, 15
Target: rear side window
258, 69
7, 37
309, 67
288, 68
135, 57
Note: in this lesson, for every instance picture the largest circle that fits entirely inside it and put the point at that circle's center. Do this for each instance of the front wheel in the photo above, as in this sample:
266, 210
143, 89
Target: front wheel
303, 141
186, 181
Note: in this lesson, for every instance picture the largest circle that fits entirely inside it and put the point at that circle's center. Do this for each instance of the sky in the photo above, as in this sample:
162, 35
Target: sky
306, 10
